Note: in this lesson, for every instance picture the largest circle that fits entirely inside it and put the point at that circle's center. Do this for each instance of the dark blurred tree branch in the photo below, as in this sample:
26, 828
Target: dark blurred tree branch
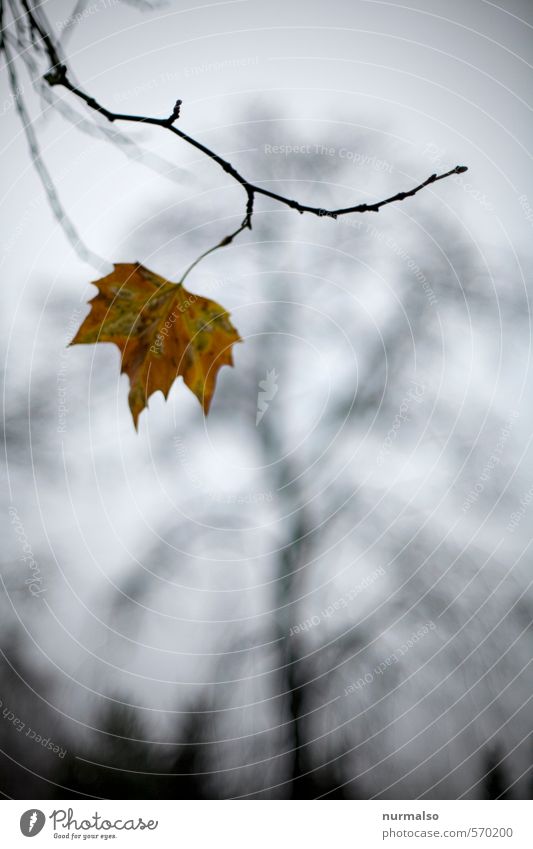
20, 42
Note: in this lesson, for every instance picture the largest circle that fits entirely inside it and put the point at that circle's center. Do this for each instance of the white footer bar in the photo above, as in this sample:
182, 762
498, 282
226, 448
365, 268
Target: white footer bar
268, 824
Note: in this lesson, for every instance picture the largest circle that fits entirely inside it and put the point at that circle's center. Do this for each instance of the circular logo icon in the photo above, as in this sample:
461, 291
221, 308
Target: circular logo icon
32, 822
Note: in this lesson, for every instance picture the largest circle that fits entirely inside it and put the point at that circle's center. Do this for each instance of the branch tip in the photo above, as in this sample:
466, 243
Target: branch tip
175, 113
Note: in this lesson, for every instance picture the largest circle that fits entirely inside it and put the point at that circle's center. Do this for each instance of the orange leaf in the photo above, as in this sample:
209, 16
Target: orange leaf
162, 331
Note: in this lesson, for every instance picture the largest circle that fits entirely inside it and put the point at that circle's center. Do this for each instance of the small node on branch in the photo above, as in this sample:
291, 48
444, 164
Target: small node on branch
460, 169
227, 240
56, 75
175, 113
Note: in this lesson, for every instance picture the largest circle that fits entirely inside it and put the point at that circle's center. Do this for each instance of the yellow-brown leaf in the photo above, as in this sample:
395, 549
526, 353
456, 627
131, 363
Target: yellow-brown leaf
162, 331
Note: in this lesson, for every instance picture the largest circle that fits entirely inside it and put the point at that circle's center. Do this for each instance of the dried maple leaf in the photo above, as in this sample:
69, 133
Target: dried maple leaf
162, 331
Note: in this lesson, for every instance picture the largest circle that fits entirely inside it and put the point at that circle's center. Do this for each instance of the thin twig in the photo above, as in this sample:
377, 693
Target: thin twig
59, 76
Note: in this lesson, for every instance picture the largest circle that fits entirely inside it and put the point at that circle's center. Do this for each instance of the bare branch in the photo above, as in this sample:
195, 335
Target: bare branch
58, 75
